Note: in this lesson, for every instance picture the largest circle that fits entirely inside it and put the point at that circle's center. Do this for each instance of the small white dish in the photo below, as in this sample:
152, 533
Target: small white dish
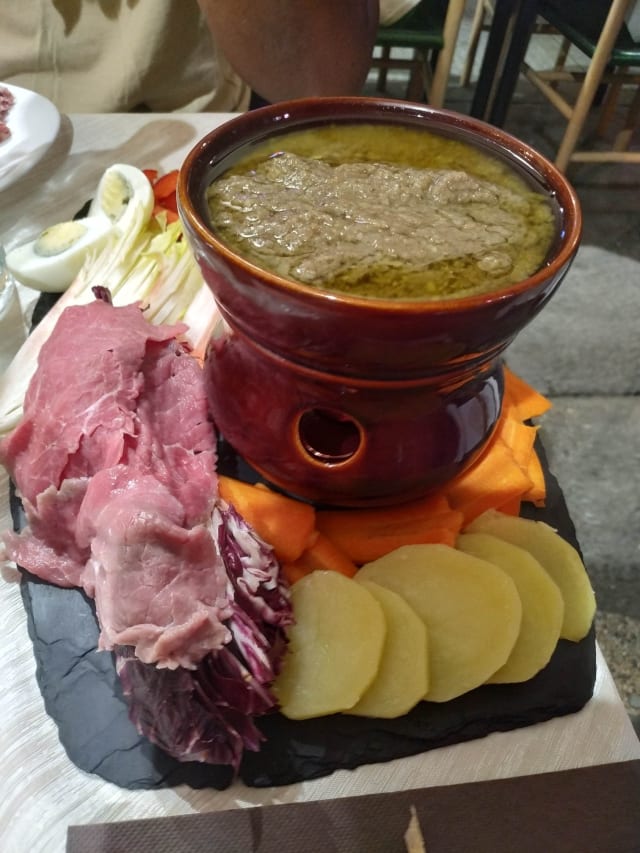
34, 123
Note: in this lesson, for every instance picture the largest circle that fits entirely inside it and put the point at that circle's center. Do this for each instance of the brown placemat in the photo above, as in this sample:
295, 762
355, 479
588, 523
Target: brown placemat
590, 810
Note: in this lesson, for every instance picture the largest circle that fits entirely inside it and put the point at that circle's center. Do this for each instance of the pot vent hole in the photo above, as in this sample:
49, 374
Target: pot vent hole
329, 437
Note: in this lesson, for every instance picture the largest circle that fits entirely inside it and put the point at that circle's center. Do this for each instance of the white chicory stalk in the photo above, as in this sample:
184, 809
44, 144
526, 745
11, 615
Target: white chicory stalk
13, 329
151, 264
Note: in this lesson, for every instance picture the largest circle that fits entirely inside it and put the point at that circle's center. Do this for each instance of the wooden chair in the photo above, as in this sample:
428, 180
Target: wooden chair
429, 31
481, 22
598, 29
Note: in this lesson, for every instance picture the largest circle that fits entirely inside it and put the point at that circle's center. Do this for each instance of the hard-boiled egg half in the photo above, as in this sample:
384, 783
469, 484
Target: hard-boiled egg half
121, 188
54, 258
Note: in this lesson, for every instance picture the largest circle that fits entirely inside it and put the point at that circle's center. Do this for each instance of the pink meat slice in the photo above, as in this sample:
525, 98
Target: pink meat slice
158, 586
115, 462
48, 546
175, 439
6, 102
80, 408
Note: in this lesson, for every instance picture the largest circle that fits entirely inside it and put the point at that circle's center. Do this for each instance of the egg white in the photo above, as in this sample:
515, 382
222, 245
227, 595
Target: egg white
53, 273
121, 192
121, 188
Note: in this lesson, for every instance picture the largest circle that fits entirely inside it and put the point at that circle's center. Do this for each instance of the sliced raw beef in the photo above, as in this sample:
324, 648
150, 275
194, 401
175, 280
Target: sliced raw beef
158, 586
6, 102
115, 461
175, 439
48, 547
80, 408
206, 714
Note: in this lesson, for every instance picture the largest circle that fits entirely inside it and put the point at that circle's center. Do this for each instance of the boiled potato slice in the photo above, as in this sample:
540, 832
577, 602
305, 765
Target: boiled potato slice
402, 677
542, 605
335, 646
471, 608
557, 556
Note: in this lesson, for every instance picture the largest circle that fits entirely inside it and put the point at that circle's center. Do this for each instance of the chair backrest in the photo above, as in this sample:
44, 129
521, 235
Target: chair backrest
598, 28
423, 26
582, 21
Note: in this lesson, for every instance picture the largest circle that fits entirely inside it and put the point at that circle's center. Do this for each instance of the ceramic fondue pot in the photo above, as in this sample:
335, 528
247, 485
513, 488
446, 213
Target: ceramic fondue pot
349, 400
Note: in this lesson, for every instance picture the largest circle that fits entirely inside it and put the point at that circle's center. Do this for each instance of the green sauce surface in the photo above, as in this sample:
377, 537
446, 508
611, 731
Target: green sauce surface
381, 211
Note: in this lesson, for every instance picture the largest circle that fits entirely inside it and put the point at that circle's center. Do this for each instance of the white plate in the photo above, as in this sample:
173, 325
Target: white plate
34, 122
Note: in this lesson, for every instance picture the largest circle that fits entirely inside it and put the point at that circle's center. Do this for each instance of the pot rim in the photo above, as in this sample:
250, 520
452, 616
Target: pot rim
257, 125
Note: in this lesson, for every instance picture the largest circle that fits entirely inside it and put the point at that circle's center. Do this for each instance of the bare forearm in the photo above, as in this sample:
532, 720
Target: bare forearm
295, 48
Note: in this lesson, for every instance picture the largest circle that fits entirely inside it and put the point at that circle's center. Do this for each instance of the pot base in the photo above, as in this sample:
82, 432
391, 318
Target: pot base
344, 441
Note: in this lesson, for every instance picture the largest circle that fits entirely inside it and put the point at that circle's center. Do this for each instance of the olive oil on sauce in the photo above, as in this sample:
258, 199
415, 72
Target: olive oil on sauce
382, 211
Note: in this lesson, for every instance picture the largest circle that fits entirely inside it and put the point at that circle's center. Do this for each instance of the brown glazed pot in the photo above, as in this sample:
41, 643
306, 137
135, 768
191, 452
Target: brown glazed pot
354, 401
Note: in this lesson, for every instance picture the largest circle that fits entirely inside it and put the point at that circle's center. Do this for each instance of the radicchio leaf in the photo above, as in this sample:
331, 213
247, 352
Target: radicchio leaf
206, 714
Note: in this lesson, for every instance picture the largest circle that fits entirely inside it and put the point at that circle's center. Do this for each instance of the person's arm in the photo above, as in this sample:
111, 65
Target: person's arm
296, 48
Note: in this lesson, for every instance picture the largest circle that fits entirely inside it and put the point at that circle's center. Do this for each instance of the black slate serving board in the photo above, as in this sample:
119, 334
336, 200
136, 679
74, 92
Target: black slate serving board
82, 694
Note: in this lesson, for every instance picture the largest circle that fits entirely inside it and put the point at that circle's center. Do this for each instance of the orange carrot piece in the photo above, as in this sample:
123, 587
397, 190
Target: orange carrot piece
538, 492
294, 571
324, 555
151, 174
511, 507
171, 215
367, 534
365, 546
170, 202
522, 398
493, 481
286, 524
165, 186
519, 438
433, 504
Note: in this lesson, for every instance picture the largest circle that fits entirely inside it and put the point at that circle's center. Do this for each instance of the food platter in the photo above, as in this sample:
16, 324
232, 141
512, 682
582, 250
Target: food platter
34, 123
60, 794
82, 695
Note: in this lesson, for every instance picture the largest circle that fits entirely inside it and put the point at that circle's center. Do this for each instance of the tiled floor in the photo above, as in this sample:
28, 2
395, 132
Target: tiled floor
584, 352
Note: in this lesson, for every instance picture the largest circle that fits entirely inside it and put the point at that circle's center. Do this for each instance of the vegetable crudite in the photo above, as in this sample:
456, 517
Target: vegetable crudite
150, 263
231, 598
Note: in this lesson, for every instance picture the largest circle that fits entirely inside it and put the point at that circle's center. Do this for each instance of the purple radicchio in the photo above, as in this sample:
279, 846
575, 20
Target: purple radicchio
206, 714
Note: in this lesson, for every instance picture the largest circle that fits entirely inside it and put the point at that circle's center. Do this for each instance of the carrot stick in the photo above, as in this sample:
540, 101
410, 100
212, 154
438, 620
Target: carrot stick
493, 481
519, 438
368, 534
435, 504
171, 215
322, 555
286, 524
522, 398
165, 187
538, 491
294, 571
511, 507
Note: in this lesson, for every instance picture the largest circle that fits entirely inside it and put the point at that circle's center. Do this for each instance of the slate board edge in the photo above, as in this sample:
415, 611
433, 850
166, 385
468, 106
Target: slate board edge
151, 768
